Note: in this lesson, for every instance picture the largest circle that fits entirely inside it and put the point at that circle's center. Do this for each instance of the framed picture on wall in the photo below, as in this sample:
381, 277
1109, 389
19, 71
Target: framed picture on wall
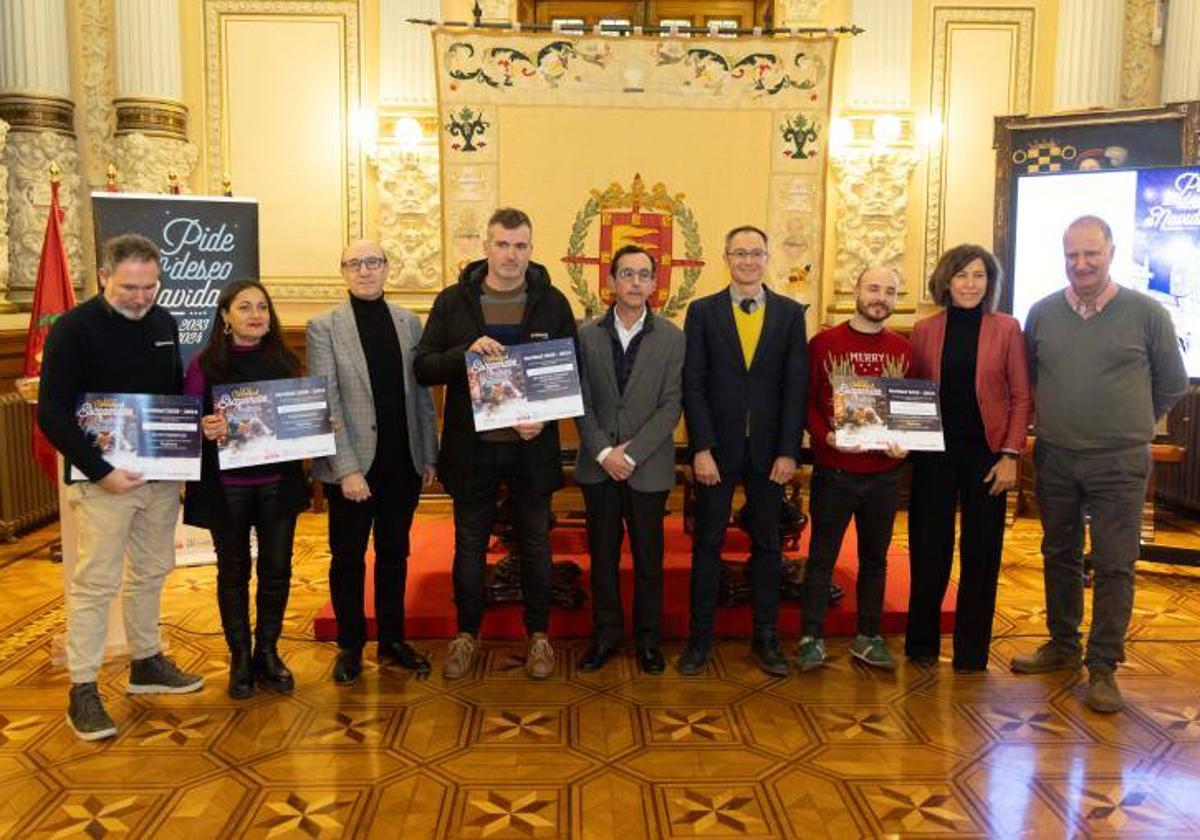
1080, 142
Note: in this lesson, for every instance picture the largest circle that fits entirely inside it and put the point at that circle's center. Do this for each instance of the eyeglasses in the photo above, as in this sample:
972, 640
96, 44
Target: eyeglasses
372, 263
742, 253
643, 274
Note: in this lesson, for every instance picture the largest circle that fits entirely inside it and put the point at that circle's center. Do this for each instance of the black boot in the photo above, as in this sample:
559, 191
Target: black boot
270, 671
235, 617
241, 672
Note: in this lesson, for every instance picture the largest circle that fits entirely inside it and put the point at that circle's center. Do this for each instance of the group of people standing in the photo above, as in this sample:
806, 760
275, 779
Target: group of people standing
1103, 360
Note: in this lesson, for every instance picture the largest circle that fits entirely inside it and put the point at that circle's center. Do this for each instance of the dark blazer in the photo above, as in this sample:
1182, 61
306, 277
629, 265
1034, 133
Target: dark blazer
454, 323
721, 396
1001, 374
645, 414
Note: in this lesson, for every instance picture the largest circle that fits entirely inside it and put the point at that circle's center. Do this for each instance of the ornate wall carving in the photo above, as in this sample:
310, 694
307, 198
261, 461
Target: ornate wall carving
99, 116
1138, 55
28, 156
872, 216
3, 211
144, 163
410, 216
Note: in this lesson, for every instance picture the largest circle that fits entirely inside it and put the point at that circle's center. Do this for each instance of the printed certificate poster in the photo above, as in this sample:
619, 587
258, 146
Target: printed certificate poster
157, 436
528, 383
873, 412
272, 421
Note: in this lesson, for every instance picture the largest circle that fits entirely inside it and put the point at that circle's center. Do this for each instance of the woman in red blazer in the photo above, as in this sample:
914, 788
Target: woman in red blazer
977, 357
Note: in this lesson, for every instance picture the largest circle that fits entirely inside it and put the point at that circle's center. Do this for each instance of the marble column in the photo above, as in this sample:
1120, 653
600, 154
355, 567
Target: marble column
3, 213
871, 173
1181, 65
1087, 65
151, 132
35, 101
405, 158
881, 57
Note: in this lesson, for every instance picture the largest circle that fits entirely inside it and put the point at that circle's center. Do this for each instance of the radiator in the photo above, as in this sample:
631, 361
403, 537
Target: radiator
27, 497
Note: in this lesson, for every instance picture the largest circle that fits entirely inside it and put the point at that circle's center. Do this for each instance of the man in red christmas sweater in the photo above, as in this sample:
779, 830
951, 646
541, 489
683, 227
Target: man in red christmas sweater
849, 482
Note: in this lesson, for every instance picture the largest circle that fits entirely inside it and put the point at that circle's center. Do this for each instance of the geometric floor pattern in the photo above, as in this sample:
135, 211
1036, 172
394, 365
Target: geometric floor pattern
841, 752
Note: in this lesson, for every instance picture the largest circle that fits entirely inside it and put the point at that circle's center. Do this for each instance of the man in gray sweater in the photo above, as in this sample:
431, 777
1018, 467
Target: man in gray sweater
1106, 366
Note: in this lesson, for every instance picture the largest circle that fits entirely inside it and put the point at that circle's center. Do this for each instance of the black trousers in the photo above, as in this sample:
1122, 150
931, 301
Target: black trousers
611, 506
474, 515
836, 497
389, 511
764, 500
941, 482
259, 507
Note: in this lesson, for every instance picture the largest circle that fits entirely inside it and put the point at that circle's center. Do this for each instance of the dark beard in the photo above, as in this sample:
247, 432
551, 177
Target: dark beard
866, 313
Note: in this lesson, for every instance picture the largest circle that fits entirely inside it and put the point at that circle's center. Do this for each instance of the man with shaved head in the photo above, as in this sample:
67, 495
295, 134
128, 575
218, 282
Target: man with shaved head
386, 434
1106, 367
848, 483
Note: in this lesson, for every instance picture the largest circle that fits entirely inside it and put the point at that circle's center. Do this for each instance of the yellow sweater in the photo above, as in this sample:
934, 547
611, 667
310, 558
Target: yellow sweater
749, 328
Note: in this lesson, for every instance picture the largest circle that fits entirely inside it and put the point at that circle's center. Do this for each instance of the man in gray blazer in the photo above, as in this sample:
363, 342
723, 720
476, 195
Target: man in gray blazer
632, 365
386, 434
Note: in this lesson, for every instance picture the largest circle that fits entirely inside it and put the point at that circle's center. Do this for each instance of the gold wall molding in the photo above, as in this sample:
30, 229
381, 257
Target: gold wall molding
157, 118
28, 156
3, 214
38, 113
99, 116
1018, 21
1138, 55
295, 275
215, 12
145, 162
872, 217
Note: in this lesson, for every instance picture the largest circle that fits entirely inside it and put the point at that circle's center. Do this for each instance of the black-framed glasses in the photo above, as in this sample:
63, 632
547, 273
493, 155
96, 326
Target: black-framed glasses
371, 263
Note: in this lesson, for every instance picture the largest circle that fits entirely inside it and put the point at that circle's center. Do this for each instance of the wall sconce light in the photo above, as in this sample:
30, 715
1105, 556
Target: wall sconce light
929, 130
408, 134
885, 129
841, 133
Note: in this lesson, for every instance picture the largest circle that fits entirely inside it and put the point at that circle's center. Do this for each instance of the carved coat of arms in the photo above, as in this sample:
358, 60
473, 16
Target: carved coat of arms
650, 219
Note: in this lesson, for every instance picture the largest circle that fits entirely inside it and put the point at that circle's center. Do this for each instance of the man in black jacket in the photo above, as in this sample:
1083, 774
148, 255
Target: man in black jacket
745, 380
119, 342
502, 300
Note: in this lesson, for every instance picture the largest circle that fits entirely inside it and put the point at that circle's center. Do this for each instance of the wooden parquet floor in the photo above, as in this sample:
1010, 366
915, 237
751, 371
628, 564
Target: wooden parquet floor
842, 752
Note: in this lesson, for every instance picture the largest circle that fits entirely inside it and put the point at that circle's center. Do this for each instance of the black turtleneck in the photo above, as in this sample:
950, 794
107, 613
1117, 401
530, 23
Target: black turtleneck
385, 365
961, 420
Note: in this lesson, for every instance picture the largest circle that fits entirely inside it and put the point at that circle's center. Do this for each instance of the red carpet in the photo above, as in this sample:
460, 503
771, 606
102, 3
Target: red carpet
429, 608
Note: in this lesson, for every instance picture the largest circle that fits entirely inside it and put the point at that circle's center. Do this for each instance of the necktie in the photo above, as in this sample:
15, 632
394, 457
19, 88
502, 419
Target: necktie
748, 305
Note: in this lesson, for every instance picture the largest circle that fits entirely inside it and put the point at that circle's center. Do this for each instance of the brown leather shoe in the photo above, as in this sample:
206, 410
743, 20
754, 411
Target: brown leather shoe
1102, 694
460, 656
539, 660
1049, 657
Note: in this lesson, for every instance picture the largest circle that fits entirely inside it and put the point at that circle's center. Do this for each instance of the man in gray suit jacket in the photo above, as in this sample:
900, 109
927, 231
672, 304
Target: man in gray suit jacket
632, 366
386, 434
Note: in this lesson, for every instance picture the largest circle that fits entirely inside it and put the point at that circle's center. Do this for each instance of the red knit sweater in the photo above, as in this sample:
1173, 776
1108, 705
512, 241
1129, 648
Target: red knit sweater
866, 353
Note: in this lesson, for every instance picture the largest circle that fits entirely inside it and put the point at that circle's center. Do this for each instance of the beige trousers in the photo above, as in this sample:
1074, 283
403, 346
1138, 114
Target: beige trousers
139, 525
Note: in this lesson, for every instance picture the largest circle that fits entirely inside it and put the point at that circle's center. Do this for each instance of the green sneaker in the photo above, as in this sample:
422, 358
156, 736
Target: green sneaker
810, 654
873, 651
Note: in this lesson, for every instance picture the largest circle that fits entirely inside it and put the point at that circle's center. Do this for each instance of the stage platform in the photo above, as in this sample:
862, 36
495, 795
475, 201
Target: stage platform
429, 605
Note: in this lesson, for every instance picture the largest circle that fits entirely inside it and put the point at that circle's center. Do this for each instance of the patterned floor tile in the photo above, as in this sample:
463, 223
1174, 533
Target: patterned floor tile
857, 723
316, 813
686, 725
510, 812
714, 811
899, 808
